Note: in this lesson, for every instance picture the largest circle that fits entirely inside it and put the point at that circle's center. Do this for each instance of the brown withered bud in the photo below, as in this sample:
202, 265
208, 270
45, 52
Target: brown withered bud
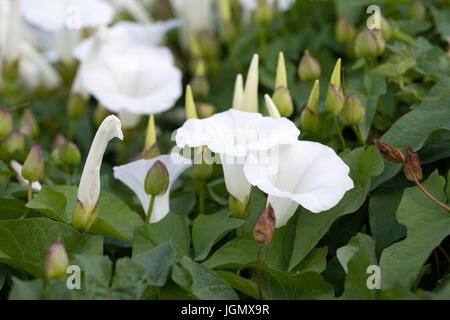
412, 167
265, 226
391, 154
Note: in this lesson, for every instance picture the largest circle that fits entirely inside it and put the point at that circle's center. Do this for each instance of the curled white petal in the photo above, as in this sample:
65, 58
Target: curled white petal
17, 167
305, 173
133, 175
89, 189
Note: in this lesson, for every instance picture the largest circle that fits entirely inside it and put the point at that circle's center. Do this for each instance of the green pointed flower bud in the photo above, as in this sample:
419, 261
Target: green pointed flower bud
271, 108
55, 156
310, 119
12, 143
208, 44
150, 137
309, 68
200, 87
264, 13
157, 179
369, 44
386, 29
100, 114
70, 154
58, 141
206, 110
83, 218
151, 152
282, 97
56, 262
77, 106
33, 167
335, 96
240, 210
417, 10
28, 124
344, 30
191, 111
353, 111
201, 169
6, 122
283, 100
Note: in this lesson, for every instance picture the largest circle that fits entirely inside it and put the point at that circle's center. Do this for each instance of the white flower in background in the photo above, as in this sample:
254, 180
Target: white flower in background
11, 30
89, 189
307, 173
63, 20
252, 5
17, 167
133, 175
135, 8
128, 73
234, 134
196, 16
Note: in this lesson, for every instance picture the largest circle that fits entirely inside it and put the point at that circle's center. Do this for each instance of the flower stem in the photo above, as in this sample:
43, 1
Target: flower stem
358, 134
150, 209
30, 196
421, 187
339, 131
71, 132
258, 269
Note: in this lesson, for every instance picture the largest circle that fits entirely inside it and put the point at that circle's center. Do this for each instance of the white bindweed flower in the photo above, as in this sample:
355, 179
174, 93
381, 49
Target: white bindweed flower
234, 134
89, 189
196, 16
127, 72
11, 33
17, 167
305, 173
133, 175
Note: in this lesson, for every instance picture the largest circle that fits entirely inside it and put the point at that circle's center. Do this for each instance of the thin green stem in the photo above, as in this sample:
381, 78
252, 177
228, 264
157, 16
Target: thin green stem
71, 132
150, 210
201, 196
30, 196
258, 269
358, 135
425, 191
339, 131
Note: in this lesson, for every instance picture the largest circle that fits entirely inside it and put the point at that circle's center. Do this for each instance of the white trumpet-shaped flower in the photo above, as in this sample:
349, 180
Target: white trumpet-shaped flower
234, 134
196, 16
89, 188
11, 33
305, 173
133, 175
129, 73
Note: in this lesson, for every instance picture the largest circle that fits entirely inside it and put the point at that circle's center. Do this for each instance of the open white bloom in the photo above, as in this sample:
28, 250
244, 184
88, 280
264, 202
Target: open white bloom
196, 16
11, 27
17, 167
127, 72
234, 134
133, 175
252, 5
305, 173
89, 188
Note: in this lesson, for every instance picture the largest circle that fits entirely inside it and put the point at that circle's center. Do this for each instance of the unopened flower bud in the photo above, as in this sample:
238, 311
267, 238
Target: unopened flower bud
240, 210
191, 111
6, 122
208, 44
77, 106
271, 108
12, 143
206, 110
33, 167
411, 166
309, 68
58, 141
417, 10
353, 111
157, 179
386, 29
283, 100
335, 96
310, 119
151, 152
70, 154
200, 86
369, 44
264, 13
391, 154
265, 227
56, 262
201, 169
344, 30
28, 124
